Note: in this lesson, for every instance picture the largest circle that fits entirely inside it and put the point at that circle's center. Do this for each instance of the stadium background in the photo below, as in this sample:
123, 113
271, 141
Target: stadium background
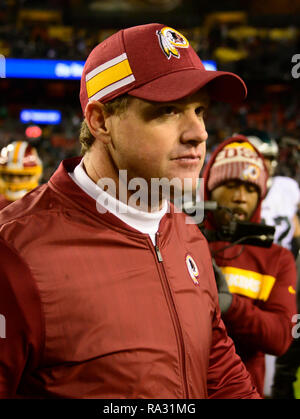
255, 39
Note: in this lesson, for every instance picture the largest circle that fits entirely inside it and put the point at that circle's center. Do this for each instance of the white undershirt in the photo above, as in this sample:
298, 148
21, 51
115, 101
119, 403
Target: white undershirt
145, 222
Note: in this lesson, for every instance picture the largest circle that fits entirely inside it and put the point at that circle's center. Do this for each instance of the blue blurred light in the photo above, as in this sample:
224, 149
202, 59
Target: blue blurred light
40, 116
43, 69
56, 69
210, 65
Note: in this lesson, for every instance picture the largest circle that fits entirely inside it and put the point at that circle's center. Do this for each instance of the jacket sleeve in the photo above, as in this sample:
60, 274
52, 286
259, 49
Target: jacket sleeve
21, 340
227, 375
266, 326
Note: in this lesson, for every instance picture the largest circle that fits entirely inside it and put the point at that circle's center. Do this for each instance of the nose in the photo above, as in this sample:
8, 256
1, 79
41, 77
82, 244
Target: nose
240, 194
193, 129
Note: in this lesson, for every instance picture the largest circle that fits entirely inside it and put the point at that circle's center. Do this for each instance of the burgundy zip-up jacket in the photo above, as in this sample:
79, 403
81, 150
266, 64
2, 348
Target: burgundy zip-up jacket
263, 283
94, 310
4, 202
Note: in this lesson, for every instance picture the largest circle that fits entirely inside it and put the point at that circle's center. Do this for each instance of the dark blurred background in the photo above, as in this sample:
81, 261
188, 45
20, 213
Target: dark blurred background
256, 39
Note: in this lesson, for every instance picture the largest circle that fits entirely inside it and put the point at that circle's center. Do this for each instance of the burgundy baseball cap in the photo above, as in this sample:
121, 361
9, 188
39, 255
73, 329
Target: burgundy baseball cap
152, 62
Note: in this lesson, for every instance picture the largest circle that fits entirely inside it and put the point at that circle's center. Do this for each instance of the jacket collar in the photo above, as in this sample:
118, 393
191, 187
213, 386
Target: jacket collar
62, 184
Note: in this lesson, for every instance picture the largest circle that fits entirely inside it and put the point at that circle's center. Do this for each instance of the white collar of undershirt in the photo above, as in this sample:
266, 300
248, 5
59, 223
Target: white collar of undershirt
145, 222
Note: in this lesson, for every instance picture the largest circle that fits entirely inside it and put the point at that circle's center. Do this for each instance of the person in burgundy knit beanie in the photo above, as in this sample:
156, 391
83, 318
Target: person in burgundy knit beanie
238, 160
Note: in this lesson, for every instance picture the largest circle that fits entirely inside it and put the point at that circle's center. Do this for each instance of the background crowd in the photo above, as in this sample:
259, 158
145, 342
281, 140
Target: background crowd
255, 45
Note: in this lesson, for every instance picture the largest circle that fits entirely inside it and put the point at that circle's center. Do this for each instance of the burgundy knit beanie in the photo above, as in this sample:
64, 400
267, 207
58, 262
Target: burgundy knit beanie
238, 160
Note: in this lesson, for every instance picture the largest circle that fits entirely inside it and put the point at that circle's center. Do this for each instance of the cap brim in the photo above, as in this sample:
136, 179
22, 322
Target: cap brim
223, 86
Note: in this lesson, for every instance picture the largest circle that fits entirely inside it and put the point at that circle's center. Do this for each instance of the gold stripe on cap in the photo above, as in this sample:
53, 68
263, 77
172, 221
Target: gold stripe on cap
240, 145
107, 77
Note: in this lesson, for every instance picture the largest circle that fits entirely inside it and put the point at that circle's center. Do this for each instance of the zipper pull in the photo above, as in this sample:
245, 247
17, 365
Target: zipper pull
159, 256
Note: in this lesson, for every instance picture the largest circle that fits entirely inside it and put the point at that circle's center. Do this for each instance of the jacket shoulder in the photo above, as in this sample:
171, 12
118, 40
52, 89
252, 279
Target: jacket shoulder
39, 200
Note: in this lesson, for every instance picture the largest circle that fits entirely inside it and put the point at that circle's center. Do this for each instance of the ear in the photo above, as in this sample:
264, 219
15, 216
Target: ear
96, 120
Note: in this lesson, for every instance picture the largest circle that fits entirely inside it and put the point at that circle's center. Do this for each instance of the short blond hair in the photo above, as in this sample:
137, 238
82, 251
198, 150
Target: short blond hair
116, 106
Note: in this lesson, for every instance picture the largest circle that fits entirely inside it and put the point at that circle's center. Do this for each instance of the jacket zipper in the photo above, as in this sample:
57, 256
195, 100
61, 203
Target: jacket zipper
177, 322
159, 256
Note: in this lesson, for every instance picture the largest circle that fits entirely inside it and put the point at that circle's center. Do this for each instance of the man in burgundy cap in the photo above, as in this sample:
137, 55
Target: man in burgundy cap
109, 296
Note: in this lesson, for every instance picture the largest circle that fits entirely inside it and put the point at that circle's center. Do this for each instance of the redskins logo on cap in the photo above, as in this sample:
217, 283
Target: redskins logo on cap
170, 40
192, 268
251, 172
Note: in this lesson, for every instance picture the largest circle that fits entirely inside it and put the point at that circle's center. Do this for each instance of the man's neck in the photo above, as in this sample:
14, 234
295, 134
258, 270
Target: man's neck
106, 177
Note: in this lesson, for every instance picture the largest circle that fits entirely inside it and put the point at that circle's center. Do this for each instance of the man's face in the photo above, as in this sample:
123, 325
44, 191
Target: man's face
160, 140
241, 198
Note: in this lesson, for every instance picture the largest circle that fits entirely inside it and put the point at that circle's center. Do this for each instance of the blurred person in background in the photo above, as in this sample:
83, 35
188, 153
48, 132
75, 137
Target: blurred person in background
20, 171
280, 209
256, 284
281, 203
107, 300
